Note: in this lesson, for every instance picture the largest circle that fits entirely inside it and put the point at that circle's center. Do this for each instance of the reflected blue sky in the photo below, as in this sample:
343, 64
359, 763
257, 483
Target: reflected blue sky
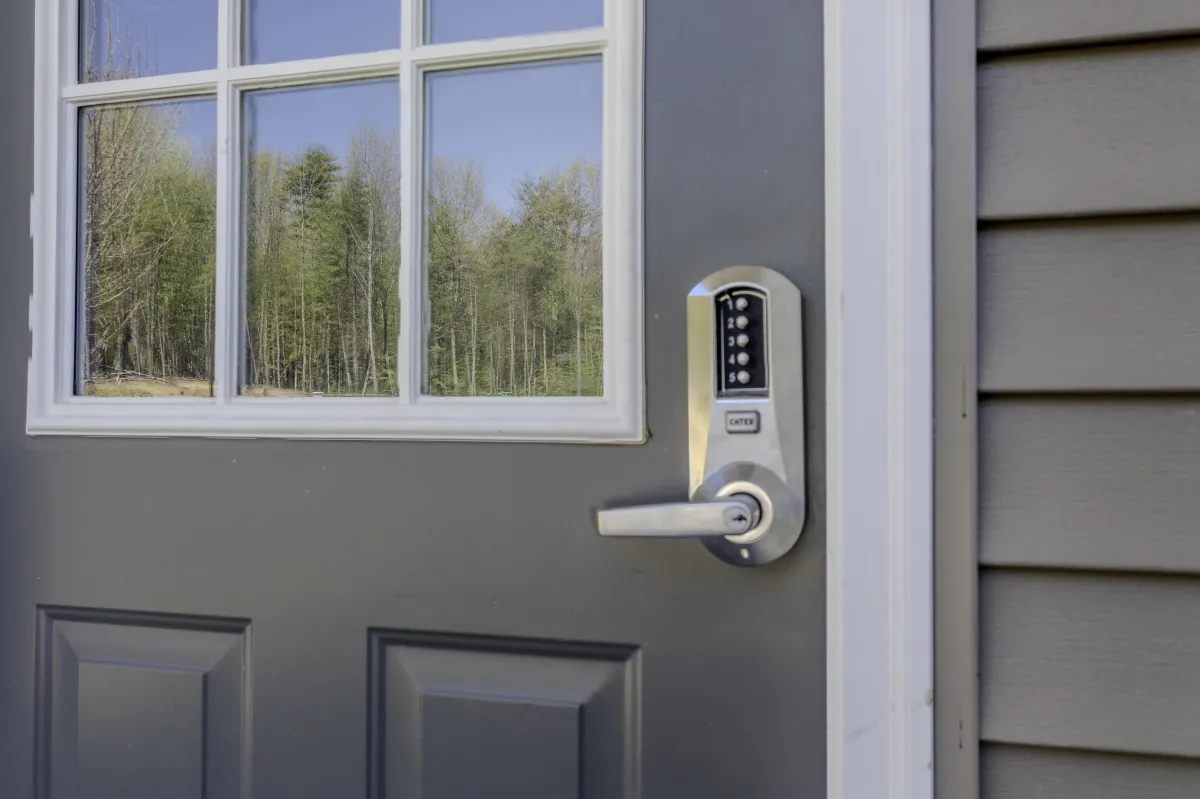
290, 121
517, 121
286, 30
514, 121
198, 124
459, 20
181, 35
162, 35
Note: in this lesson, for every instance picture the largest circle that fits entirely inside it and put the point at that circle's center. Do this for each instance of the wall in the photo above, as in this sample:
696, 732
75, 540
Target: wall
1088, 324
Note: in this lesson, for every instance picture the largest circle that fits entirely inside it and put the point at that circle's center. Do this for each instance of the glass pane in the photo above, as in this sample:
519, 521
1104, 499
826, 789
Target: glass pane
459, 20
287, 30
147, 243
513, 231
322, 240
137, 38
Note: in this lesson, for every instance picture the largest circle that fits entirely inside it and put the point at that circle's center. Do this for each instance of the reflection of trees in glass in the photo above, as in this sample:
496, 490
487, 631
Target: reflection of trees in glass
514, 297
109, 52
323, 262
147, 235
140, 38
516, 307
148, 247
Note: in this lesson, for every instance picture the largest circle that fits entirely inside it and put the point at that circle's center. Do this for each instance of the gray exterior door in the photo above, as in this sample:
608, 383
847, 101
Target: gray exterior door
283, 620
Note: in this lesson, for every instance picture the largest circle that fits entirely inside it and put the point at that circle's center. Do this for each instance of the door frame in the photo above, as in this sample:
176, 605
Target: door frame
879, 308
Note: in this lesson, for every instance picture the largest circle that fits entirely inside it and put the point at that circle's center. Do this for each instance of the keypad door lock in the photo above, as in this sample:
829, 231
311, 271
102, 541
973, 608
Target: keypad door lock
746, 423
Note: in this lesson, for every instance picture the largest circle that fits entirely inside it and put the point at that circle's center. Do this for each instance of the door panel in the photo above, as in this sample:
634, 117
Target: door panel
491, 716
141, 704
431, 619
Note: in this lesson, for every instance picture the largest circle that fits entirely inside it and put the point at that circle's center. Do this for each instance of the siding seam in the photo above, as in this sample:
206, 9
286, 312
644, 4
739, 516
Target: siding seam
1067, 48
991, 54
1003, 744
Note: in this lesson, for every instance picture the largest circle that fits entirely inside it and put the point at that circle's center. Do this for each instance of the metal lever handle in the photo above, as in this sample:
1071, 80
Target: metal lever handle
733, 515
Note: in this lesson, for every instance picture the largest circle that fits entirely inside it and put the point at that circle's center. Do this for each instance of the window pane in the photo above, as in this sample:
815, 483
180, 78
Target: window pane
287, 30
513, 231
459, 20
323, 240
137, 38
147, 243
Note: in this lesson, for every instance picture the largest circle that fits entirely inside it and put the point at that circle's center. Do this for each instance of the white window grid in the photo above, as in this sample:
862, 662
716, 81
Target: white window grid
54, 408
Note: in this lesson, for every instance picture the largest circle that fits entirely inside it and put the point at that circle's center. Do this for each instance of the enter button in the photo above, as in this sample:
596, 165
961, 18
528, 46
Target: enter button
741, 421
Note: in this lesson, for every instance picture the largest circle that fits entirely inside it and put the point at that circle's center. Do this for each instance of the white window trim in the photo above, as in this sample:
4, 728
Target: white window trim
617, 417
879, 567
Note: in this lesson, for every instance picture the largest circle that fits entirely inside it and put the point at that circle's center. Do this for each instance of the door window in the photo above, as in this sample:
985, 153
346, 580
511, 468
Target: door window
365, 219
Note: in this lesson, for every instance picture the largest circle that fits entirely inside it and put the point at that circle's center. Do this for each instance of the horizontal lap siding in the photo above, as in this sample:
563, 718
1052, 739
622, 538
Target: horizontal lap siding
1086, 132
1022, 772
1091, 661
1022, 24
1105, 484
1101, 305
1089, 420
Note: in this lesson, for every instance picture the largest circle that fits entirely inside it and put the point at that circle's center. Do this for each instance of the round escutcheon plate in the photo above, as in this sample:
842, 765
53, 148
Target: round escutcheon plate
781, 521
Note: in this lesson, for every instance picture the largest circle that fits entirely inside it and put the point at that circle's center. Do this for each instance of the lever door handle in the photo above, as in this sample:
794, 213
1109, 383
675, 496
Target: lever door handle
734, 515
745, 423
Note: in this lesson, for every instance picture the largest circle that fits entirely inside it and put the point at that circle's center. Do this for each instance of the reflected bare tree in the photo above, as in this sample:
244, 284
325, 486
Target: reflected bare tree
148, 250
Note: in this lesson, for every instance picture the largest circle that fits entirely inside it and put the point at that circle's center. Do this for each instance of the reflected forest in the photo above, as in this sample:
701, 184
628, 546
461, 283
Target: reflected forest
148, 249
514, 289
515, 299
323, 254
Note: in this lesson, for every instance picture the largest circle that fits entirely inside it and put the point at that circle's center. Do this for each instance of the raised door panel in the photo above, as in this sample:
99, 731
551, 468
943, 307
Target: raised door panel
141, 706
480, 716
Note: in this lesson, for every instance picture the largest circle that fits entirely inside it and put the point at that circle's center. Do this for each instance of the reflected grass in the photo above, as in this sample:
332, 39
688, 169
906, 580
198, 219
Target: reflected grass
142, 387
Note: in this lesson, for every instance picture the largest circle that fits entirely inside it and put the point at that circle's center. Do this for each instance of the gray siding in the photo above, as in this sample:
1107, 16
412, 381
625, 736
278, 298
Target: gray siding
1076, 483
1024, 24
1091, 661
1089, 417
1020, 772
1090, 131
1098, 305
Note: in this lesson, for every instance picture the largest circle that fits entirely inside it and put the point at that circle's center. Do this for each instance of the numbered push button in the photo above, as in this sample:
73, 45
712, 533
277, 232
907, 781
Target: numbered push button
742, 321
